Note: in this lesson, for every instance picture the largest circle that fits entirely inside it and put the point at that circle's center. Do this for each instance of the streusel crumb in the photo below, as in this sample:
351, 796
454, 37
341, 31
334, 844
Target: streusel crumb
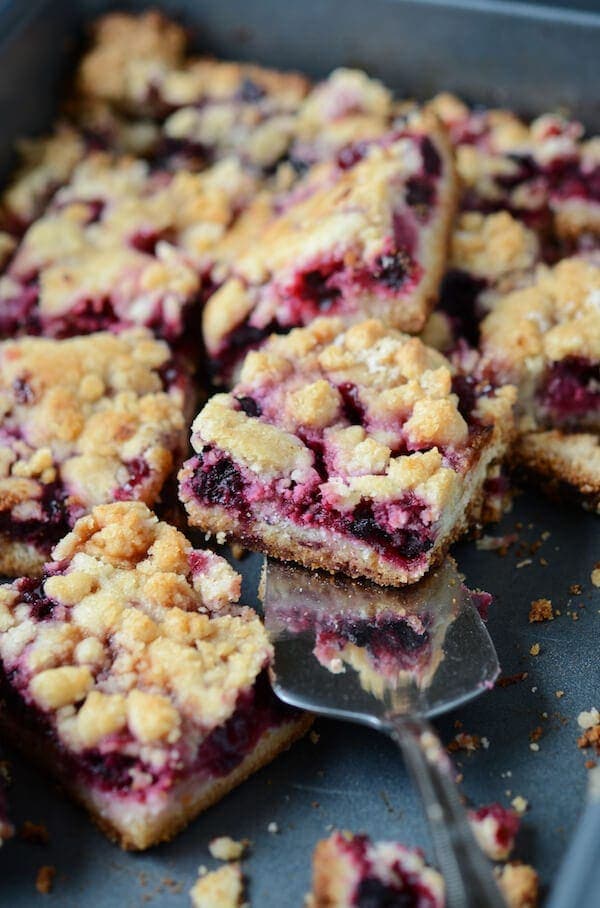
519, 885
540, 610
223, 888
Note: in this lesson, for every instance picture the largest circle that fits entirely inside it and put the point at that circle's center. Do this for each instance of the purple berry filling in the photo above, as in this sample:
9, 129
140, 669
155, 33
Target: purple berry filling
407, 891
217, 481
571, 390
44, 531
139, 471
110, 770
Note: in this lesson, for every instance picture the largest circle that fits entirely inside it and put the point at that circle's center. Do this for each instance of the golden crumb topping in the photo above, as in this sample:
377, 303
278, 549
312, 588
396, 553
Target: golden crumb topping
519, 885
118, 232
304, 383
493, 246
557, 317
131, 642
78, 413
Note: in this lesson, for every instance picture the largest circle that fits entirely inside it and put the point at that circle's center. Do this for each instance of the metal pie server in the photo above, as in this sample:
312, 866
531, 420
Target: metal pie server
391, 659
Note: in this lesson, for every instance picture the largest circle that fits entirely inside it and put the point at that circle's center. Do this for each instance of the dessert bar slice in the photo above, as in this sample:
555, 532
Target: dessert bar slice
358, 237
205, 109
128, 675
564, 464
121, 245
351, 870
353, 451
83, 421
544, 172
546, 340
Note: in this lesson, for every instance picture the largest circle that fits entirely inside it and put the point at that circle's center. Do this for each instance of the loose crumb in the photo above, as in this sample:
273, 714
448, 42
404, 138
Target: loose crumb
588, 718
464, 741
44, 880
576, 589
314, 738
534, 649
533, 746
520, 804
273, 828
590, 738
595, 576
559, 694
540, 610
223, 888
238, 551
524, 563
224, 848
519, 885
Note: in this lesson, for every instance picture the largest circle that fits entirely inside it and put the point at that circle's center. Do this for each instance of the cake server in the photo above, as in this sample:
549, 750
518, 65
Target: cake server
391, 659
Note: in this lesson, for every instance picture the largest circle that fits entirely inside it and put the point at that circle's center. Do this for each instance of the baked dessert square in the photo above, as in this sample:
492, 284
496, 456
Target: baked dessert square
546, 340
352, 450
361, 236
205, 109
121, 244
351, 870
84, 421
545, 172
128, 674
565, 464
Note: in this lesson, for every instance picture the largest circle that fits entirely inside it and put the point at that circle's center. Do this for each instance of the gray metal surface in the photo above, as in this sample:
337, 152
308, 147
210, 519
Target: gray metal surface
353, 777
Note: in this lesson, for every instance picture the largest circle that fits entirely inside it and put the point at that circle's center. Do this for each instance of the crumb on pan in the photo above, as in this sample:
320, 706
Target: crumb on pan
223, 888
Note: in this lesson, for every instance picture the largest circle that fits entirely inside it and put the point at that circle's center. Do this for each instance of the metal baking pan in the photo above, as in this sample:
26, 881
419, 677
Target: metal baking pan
530, 57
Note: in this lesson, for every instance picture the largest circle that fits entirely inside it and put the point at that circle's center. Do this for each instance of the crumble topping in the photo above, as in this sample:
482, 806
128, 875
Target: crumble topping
84, 421
359, 239
45, 164
123, 636
519, 885
403, 400
212, 108
121, 243
493, 246
223, 888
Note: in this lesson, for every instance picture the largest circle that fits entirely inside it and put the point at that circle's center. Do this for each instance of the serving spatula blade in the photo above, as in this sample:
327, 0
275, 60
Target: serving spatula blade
391, 659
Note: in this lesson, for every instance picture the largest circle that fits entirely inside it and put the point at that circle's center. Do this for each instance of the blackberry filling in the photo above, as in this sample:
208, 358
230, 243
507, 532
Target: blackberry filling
354, 411
46, 530
218, 484
250, 406
87, 317
392, 270
22, 390
459, 294
571, 389
32, 592
406, 543
420, 195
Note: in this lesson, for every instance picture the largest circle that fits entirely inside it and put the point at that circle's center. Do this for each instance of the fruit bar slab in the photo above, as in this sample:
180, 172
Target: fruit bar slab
128, 673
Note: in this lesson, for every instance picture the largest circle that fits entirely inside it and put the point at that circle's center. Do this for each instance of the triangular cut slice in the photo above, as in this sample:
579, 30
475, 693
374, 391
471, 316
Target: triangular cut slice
363, 235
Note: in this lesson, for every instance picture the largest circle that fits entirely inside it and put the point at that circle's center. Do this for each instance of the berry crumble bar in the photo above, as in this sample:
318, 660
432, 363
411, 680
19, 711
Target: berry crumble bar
353, 451
351, 870
205, 109
121, 245
127, 672
546, 340
544, 172
359, 236
84, 421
